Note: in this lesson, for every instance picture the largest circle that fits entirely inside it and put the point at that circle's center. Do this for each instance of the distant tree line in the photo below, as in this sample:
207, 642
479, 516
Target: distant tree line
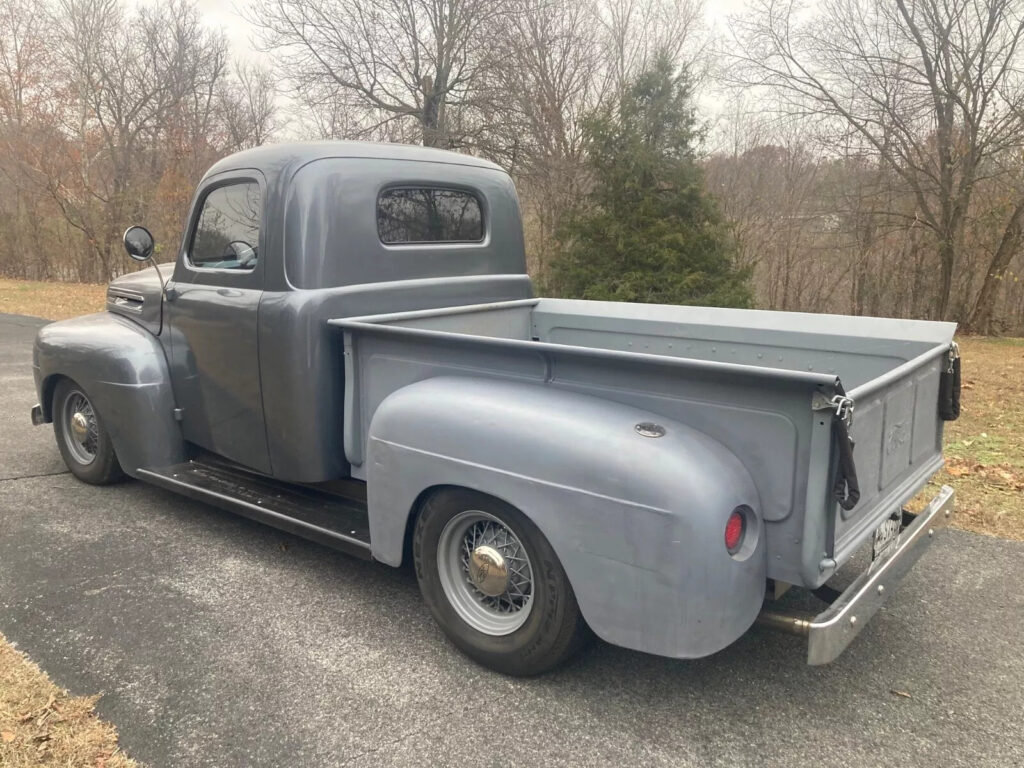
108, 116
869, 157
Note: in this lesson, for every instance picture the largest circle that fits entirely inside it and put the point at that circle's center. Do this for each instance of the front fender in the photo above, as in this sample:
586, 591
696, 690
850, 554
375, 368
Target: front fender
122, 368
637, 522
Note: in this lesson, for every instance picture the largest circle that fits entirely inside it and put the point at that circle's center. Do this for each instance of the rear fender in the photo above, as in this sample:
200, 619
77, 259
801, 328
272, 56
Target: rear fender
637, 522
122, 368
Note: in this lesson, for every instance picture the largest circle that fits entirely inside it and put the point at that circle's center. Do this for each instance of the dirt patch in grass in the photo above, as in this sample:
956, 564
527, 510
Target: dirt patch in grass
985, 446
54, 301
43, 725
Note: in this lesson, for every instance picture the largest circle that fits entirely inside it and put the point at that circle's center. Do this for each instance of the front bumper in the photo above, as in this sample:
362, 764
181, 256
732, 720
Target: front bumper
831, 631
37, 415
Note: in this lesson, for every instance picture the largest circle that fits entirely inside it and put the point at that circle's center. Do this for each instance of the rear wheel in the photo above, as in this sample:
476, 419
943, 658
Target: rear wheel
82, 438
494, 584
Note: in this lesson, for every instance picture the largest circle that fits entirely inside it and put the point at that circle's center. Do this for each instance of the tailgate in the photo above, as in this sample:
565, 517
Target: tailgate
898, 435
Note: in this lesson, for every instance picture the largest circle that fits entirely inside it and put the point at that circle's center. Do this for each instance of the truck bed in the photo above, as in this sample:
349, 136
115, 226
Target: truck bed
753, 380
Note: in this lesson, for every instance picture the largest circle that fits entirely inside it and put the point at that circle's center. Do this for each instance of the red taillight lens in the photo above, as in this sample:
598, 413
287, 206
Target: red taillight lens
734, 530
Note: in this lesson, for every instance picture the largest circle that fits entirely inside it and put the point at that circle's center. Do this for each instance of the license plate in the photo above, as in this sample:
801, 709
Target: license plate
887, 537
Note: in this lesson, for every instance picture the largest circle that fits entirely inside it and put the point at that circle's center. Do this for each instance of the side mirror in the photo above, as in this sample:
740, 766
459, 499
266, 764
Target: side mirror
139, 243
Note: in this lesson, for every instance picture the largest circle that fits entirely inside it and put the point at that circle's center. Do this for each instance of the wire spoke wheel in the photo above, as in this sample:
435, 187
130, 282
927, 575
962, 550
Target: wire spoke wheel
494, 584
485, 573
81, 429
82, 437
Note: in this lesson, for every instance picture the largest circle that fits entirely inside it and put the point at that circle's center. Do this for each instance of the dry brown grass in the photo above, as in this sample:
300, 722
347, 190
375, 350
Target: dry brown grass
985, 446
43, 725
54, 301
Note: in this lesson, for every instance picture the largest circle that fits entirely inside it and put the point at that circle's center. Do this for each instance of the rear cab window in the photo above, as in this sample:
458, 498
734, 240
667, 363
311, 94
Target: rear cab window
227, 231
407, 215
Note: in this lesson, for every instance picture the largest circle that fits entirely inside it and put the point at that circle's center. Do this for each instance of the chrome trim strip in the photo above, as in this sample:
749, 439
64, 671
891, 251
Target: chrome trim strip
122, 298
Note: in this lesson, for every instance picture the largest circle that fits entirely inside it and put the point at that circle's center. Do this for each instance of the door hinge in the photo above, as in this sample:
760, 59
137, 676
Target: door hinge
179, 414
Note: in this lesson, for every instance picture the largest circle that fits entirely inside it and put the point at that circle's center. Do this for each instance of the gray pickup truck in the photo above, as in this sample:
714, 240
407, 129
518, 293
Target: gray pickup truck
348, 347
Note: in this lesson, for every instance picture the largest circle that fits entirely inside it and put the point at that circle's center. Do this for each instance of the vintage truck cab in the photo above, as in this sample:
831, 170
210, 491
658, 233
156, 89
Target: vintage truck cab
347, 346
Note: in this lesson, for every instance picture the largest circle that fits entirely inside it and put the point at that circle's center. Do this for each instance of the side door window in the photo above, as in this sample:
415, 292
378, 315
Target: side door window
227, 231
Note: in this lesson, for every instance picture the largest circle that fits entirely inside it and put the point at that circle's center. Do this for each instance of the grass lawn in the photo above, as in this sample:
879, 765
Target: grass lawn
985, 446
53, 300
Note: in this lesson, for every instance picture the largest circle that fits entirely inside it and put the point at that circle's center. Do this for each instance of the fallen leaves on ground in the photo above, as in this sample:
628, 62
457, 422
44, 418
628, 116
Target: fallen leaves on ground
997, 475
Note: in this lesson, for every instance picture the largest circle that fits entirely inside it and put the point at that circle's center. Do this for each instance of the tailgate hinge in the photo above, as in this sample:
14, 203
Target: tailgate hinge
954, 355
841, 405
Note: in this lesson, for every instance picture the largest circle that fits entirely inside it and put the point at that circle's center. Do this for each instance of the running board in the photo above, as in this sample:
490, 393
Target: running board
338, 522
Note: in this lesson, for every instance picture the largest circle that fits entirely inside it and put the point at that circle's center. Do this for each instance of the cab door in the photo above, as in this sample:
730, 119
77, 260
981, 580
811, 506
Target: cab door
213, 304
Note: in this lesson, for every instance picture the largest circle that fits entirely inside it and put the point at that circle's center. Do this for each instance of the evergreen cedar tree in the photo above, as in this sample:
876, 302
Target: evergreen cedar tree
648, 232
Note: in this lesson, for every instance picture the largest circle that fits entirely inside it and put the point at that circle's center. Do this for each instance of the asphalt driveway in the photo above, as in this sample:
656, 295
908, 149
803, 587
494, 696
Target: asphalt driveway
220, 642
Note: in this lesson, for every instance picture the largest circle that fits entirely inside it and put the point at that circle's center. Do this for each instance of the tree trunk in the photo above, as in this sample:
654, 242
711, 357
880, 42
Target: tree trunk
981, 316
947, 258
433, 136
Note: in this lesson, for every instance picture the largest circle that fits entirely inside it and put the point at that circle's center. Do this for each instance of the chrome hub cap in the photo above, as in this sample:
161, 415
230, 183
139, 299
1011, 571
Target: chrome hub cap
81, 432
80, 426
485, 573
488, 571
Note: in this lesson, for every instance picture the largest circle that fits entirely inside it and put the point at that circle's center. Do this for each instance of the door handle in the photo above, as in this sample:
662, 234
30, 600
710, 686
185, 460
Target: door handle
228, 292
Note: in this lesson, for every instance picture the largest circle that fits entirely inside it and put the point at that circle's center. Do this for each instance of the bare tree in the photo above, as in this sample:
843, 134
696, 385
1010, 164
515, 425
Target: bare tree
933, 88
551, 76
248, 106
135, 85
636, 31
403, 61
109, 114
24, 57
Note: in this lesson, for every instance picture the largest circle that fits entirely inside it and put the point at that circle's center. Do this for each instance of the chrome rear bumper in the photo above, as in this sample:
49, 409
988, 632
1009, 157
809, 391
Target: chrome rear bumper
37, 415
831, 631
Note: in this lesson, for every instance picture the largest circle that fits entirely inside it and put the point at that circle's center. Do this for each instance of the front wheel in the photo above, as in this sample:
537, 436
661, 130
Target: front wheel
82, 438
494, 584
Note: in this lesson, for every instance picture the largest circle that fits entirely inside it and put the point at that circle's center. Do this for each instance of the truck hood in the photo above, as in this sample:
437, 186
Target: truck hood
138, 296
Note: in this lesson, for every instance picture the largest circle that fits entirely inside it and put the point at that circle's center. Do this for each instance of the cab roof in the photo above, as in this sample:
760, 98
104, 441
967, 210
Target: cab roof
272, 158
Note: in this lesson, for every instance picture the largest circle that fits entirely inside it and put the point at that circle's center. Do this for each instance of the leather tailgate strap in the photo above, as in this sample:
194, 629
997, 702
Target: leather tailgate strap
949, 386
846, 488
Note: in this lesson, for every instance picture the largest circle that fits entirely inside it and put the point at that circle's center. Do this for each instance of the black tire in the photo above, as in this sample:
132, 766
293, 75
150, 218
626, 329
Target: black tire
554, 628
94, 463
